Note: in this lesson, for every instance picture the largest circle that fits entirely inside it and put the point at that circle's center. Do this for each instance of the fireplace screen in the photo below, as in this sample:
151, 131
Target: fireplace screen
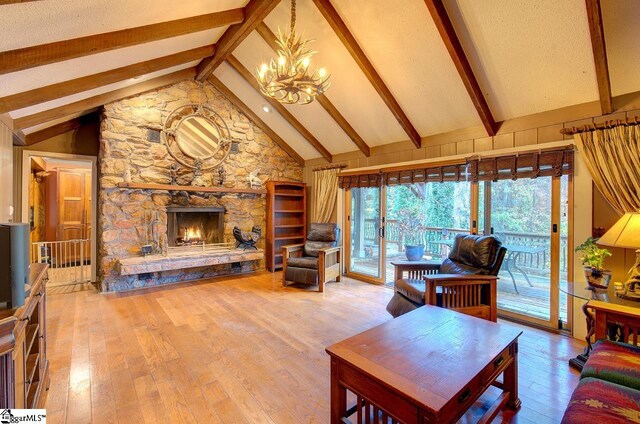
193, 225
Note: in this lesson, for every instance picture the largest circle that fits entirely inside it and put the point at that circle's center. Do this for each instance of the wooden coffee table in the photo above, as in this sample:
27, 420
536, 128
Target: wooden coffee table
427, 366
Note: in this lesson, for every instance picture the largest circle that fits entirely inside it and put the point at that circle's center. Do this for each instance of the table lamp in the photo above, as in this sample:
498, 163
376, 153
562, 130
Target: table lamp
626, 234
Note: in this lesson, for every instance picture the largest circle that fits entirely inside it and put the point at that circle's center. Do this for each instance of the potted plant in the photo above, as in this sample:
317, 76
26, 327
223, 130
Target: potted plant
593, 261
411, 229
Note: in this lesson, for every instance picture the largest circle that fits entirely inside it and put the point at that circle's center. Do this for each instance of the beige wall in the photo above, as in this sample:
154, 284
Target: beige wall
6, 171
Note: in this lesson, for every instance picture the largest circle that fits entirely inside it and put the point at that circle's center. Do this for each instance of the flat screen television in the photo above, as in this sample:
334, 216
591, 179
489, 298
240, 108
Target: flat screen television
14, 264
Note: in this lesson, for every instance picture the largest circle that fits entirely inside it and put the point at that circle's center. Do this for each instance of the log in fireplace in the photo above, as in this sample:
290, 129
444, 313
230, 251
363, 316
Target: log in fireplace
194, 225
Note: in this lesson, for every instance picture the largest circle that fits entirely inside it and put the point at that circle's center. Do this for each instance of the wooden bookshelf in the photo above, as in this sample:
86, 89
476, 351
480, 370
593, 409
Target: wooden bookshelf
286, 219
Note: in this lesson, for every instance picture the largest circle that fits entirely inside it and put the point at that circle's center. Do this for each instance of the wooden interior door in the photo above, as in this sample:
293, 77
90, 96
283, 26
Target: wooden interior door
72, 202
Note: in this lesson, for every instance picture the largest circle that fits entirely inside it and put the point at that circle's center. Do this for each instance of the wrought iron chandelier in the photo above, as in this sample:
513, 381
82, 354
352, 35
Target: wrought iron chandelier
288, 79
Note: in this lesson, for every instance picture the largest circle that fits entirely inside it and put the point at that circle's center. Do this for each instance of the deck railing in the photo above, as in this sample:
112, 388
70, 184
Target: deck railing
537, 263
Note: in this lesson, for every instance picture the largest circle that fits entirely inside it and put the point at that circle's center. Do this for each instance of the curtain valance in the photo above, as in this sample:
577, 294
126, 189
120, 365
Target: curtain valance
550, 163
361, 180
426, 175
544, 163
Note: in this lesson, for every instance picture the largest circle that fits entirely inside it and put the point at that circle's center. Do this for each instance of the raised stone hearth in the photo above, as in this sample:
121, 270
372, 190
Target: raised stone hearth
159, 263
126, 146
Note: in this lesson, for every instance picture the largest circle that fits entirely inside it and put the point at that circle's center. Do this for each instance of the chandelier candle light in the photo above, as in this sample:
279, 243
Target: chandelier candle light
288, 79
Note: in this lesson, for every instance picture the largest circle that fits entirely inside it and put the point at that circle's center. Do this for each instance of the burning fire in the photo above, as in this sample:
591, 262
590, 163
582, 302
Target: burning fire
192, 234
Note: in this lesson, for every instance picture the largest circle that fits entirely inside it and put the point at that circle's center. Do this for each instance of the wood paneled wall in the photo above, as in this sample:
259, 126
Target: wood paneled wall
6, 171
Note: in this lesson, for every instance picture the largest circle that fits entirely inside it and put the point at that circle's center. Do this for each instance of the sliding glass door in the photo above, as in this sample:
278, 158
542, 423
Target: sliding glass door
525, 214
365, 236
531, 216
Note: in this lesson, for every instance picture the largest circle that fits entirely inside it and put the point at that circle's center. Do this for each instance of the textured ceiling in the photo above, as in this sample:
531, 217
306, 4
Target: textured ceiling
529, 56
96, 91
45, 21
620, 21
402, 42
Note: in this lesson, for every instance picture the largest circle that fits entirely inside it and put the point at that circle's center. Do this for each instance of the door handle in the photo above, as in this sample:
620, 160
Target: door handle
381, 232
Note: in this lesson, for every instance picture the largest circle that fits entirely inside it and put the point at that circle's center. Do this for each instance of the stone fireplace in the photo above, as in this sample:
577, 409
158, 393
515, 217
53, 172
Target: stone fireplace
128, 146
192, 225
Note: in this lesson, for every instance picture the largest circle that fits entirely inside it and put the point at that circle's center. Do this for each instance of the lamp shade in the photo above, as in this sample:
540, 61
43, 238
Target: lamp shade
625, 233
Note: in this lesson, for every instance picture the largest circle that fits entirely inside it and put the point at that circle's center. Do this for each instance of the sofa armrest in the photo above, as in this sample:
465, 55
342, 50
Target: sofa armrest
329, 256
329, 250
291, 248
626, 317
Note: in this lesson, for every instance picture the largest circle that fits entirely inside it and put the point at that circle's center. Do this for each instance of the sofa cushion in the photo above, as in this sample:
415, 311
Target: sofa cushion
599, 401
311, 248
304, 262
475, 251
411, 289
615, 362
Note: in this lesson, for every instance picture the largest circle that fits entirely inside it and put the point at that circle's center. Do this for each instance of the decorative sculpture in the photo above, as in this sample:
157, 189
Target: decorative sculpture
254, 181
173, 169
247, 240
221, 175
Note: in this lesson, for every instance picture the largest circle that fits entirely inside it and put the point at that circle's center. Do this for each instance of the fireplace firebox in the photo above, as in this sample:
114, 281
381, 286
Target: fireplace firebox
194, 225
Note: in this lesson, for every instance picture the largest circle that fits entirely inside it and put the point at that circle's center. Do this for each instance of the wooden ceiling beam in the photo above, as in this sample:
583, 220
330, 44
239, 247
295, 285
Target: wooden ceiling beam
270, 38
251, 79
596, 31
43, 54
235, 100
102, 99
66, 88
61, 128
452, 43
340, 28
19, 138
5, 2
254, 13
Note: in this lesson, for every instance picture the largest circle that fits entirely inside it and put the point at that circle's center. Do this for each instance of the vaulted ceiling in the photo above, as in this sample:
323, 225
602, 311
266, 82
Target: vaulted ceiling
400, 70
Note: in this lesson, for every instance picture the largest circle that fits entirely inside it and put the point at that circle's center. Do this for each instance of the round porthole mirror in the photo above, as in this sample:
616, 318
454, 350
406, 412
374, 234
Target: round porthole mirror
198, 137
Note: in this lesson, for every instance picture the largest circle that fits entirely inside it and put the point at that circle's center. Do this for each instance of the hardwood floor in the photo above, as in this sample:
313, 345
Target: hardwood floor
238, 350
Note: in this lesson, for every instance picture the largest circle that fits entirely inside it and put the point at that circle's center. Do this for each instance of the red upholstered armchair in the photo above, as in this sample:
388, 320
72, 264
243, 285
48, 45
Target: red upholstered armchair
464, 282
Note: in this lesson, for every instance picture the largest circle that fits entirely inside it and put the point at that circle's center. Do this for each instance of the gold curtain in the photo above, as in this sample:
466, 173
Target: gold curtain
612, 156
325, 194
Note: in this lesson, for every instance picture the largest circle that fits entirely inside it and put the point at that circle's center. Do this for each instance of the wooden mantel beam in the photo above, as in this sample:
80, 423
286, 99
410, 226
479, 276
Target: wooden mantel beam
251, 79
43, 54
66, 88
452, 43
235, 100
270, 38
340, 28
596, 30
101, 99
254, 13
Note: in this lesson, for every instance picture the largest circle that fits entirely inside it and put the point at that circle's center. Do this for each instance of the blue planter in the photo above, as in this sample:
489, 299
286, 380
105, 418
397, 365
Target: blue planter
414, 253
